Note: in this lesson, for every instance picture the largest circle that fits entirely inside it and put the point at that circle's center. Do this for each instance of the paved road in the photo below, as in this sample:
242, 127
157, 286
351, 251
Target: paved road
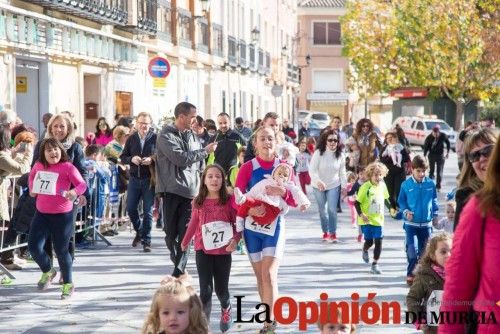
114, 284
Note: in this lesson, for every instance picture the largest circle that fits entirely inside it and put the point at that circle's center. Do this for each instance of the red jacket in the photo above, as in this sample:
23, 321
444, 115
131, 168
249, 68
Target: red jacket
473, 269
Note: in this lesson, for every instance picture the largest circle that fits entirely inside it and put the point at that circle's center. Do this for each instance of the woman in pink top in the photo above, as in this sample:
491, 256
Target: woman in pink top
473, 270
213, 226
103, 133
50, 181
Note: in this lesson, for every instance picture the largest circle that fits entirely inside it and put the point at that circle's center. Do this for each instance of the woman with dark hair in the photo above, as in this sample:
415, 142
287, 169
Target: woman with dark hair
400, 133
477, 150
200, 131
473, 269
103, 133
396, 174
368, 142
328, 175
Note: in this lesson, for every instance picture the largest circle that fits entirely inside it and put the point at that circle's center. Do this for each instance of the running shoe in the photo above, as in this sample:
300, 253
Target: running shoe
326, 236
226, 320
6, 280
333, 238
136, 240
375, 269
67, 290
365, 256
46, 279
269, 328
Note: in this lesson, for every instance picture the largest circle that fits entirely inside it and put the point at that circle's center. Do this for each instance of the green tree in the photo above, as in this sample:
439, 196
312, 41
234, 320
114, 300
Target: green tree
449, 45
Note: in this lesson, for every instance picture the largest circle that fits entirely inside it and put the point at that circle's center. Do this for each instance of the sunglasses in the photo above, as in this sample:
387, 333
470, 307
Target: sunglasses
484, 152
332, 140
366, 125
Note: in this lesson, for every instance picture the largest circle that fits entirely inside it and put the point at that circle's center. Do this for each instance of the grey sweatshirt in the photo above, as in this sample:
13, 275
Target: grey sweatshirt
180, 161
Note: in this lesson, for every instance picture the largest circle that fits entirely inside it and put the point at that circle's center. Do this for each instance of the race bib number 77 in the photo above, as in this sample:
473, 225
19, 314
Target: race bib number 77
45, 183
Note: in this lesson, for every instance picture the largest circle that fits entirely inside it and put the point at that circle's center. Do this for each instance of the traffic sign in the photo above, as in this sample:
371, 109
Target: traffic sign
159, 67
277, 90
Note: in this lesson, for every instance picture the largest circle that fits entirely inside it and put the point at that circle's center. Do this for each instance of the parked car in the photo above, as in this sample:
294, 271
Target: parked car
417, 128
302, 114
321, 118
314, 129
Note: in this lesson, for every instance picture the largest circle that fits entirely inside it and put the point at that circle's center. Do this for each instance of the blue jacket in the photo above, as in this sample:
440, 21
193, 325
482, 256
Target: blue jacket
419, 198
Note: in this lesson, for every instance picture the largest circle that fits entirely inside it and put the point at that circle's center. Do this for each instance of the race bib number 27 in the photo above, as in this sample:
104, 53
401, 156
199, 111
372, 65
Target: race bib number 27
45, 183
216, 234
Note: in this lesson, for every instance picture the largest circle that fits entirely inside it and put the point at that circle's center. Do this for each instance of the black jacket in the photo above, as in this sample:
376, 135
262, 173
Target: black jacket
227, 147
462, 196
437, 148
133, 148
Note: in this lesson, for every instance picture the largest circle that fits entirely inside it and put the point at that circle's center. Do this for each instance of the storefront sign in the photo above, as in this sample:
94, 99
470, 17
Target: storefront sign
21, 85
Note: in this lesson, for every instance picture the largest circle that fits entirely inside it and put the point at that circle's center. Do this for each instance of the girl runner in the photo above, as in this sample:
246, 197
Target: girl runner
50, 181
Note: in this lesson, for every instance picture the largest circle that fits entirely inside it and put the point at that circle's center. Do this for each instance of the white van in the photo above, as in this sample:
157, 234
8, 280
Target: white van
417, 128
321, 118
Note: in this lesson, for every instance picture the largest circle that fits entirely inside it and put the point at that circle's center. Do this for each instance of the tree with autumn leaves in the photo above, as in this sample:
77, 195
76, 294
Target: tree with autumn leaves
451, 47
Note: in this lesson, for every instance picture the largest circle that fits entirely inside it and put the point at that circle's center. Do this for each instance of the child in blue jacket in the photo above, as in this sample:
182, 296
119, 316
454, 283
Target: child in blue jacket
418, 203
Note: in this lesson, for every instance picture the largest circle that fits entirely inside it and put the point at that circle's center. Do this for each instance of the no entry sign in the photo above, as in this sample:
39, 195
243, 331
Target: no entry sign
159, 67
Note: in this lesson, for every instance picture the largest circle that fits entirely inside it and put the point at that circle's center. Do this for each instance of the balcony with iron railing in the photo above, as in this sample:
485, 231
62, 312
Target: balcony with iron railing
293, 73
164, 21
184, 28
268, 63
232, 51
147, 17
261, 65
112, 12
217, 47
202, 33
243, 54
251, 57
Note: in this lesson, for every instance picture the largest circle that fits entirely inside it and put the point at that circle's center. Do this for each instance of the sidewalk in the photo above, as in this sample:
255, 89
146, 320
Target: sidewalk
114, 285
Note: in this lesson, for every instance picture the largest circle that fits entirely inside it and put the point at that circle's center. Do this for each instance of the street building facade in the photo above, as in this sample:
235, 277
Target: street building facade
102, 58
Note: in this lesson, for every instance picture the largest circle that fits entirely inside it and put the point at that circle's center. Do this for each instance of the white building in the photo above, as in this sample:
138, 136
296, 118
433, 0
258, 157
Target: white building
91, 57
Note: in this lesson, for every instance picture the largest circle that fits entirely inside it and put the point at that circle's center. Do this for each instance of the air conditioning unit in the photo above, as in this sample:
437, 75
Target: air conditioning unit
133, 11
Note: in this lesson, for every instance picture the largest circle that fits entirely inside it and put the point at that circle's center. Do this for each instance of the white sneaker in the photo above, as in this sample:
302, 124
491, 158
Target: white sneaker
19, 261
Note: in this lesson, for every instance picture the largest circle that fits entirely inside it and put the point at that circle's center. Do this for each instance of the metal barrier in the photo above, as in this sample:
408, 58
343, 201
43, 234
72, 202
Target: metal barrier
88, 220
12, 180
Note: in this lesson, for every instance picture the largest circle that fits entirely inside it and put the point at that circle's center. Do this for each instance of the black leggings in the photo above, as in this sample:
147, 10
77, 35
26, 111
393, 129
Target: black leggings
377, 250
213, 269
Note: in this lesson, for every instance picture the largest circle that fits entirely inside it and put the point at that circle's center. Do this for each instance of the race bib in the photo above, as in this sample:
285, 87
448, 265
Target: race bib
433, 305
45, 183
376, 207
268, 229
216, 234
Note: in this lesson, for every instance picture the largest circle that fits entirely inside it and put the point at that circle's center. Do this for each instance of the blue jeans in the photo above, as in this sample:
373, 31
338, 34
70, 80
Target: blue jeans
327, 206
59, 227
137, 189
415, 250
